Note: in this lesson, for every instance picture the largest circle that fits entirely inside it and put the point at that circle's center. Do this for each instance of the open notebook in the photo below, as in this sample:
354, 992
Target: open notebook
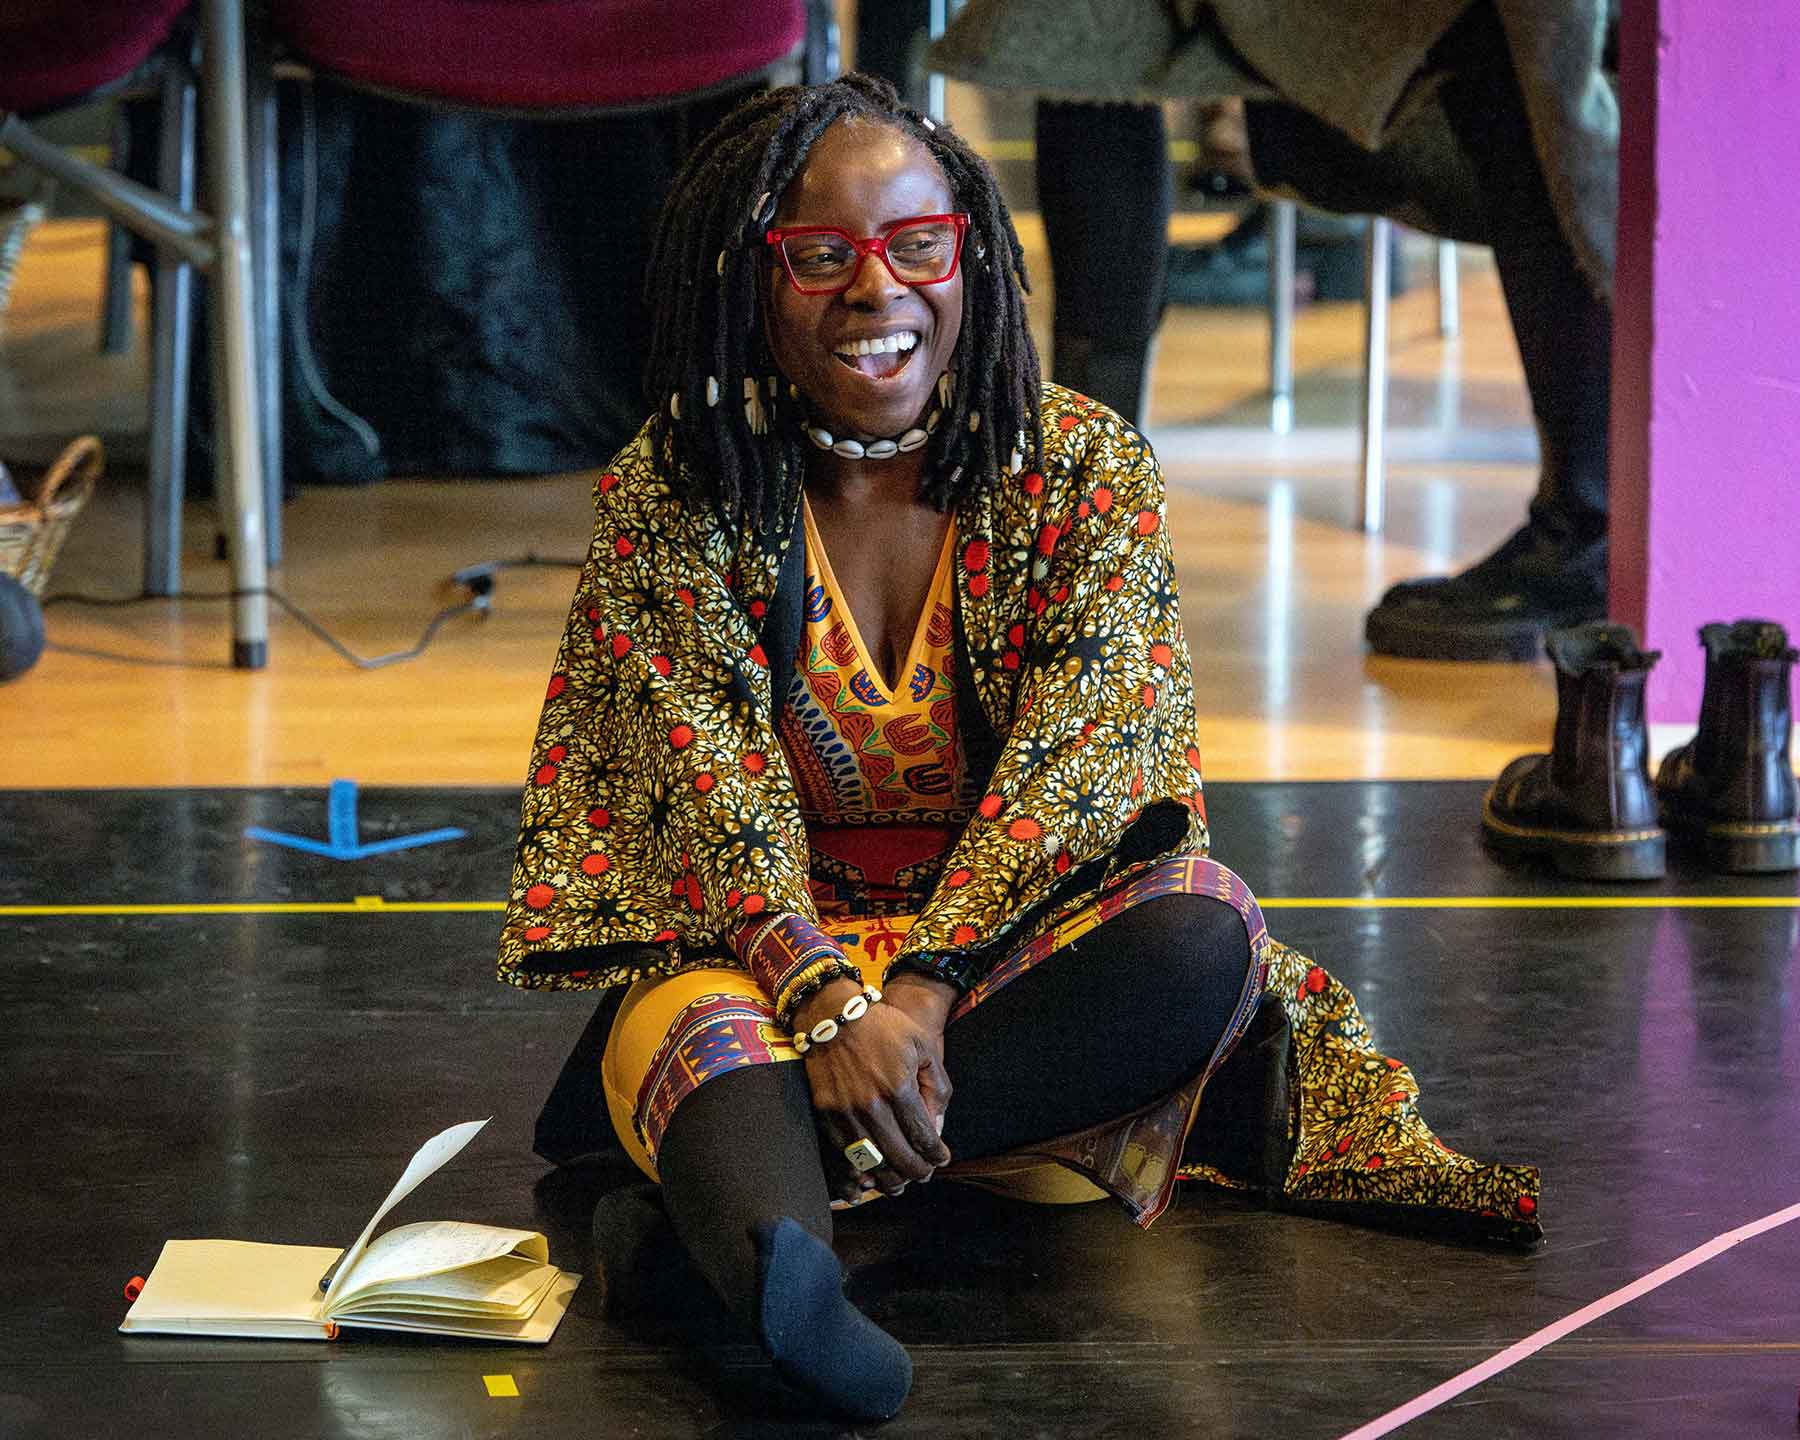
440, 1277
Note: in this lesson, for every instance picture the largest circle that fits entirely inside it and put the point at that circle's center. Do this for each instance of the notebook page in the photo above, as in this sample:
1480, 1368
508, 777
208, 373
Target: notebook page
430, 1157
432, 1246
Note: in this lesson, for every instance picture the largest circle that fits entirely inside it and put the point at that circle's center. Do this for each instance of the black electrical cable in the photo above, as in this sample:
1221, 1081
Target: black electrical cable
480, 602
469, 574
477, 579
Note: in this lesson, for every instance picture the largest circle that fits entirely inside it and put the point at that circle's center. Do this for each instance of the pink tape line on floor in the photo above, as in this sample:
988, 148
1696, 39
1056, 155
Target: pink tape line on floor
1550, 1334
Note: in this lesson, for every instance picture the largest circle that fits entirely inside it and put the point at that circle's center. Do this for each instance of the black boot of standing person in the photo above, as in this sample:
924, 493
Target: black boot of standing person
1731, 788
1587, 806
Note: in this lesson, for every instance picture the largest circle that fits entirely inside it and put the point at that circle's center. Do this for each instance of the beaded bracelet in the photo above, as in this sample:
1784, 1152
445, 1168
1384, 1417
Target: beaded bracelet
855, 1008
808, 983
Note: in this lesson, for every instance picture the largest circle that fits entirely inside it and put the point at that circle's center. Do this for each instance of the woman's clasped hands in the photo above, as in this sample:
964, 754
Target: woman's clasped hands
881, 1079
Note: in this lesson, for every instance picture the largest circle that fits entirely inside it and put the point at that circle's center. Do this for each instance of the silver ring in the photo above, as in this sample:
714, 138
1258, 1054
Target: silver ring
864, 1156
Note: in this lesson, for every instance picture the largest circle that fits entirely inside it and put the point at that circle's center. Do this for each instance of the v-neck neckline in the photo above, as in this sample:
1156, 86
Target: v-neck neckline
921, 629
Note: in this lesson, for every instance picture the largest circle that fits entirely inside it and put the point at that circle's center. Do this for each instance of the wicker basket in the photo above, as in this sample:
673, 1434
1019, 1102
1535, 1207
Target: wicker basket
32, 532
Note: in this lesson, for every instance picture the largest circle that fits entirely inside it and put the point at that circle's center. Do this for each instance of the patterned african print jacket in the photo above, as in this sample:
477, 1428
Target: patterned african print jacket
660, 825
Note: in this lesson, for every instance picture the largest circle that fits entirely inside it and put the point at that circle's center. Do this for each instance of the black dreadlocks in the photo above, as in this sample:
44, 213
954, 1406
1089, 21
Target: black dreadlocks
721, 413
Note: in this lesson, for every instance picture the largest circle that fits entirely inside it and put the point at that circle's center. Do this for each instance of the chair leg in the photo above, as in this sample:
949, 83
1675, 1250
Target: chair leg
115, 306
1373, 480
265, 249
1281, 225
172, 328
237, 437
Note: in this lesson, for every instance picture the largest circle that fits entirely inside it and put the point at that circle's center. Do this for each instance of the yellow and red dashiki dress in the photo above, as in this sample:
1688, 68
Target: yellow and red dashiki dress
660, 813
884, 794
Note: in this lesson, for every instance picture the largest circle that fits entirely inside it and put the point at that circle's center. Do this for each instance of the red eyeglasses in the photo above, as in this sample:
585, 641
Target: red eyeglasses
824, 260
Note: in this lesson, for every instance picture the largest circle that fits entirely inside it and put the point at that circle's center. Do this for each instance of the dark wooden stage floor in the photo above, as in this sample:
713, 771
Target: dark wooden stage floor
258, 1058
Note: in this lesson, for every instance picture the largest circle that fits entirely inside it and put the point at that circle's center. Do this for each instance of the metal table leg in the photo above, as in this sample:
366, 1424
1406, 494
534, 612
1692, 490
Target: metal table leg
265, 251
115, 304
1372, 482
1281, 226
238, 468
1449, 295
172, 335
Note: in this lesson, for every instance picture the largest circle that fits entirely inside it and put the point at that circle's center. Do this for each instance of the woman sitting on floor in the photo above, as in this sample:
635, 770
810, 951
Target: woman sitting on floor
868, 766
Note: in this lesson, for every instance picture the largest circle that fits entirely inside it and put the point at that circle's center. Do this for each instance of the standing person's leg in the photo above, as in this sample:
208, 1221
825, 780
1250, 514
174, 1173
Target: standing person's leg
1105, 191
890, 42
1552, 572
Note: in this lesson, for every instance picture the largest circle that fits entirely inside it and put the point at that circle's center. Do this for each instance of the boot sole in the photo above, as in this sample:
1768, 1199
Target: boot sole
1744, 849
1580, 854
1420, 630
1406, 634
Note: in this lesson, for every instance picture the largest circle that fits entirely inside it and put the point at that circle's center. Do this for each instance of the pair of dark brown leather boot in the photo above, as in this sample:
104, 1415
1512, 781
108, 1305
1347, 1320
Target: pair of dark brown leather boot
1589, 806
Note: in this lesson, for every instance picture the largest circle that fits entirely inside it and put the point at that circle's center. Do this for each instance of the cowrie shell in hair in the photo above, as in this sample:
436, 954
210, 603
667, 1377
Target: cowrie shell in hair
674, 404
974, 422
721, 266
712, 391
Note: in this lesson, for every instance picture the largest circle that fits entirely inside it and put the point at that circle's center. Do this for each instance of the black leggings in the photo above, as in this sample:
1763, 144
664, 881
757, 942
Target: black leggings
1106, 192
1120, 1018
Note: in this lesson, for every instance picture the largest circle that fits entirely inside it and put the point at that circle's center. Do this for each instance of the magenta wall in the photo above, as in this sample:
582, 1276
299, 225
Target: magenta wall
1706, 418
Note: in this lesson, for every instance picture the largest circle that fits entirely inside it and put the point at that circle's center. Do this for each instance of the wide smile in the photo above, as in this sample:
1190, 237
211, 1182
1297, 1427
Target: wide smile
878, 358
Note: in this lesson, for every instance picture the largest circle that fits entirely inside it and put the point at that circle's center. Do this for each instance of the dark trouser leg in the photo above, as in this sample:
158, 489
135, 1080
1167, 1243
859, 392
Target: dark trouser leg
1563, 329
890, 42
1105, 191
717, 1188
1124, 1016
1421, 177
1553, 571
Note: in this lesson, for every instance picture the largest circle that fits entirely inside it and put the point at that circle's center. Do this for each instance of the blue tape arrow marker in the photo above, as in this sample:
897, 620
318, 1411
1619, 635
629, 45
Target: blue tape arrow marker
341, 838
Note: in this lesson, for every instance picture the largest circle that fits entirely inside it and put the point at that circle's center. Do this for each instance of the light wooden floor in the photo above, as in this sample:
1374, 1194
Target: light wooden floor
1275, 582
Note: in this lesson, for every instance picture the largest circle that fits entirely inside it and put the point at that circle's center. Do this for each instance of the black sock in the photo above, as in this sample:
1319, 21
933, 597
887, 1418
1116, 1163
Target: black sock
817, 1340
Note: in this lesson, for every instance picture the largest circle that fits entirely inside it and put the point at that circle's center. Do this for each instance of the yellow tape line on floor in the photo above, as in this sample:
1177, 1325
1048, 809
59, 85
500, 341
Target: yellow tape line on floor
374, 904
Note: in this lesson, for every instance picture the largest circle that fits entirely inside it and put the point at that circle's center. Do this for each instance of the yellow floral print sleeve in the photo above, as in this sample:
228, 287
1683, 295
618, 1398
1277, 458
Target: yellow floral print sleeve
658, 816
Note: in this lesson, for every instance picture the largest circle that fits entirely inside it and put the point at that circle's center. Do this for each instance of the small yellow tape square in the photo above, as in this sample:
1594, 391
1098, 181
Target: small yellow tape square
499, 1386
